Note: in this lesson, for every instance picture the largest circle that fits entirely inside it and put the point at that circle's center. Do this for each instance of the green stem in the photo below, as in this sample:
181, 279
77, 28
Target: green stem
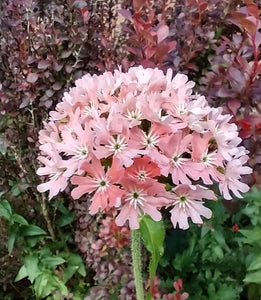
136, 261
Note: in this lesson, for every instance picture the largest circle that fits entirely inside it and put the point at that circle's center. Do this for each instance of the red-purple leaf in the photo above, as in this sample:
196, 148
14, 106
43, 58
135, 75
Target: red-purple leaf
49, 93
149, 52
66, 53
161, 52
234, 105
203, 6
162, 33
79, 4
249, 26
172, 45
57, 67
43, 64
57, 86
237, 15
252, 8
126, 14
32, 77
137, 4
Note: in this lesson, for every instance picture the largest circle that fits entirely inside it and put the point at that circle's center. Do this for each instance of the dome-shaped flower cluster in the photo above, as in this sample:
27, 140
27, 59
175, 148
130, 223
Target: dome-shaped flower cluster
122, 137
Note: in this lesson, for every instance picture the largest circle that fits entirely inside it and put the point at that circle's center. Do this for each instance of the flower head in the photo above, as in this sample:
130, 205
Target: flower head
121, 138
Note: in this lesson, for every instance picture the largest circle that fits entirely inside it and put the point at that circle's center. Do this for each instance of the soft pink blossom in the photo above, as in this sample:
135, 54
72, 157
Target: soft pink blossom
208, 156
176, 148
121, 136
232, 175
140, 199
186, 201
143, 170
56, 169
107, 192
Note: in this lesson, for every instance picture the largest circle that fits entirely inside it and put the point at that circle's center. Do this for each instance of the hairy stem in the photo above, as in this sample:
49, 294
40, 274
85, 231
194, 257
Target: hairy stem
136, 262
45, 211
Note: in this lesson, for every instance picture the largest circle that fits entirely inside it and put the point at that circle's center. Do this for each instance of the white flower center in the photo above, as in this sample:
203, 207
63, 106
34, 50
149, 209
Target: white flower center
102, 183
177, 160
134, 114
151, 140
88, 110
117, 145
81, 152
183, 201
136, 198
208, 159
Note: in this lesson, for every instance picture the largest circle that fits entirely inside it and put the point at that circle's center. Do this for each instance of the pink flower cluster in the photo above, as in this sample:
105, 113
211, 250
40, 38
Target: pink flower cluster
121, 137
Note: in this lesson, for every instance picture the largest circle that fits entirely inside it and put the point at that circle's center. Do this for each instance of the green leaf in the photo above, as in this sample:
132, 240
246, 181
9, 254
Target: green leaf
52, 261
15, 190
66, 219
251, 235
76, 260
153, 234
148, 297
5, 210
82, 270
12, 236
254, 277
19, 219
69, 272
32, 230
62, 208
47, 283
31, 241
21, 274
2, 193
3, 145
31, 265
41, 287
218, 251
219, 237
255, 264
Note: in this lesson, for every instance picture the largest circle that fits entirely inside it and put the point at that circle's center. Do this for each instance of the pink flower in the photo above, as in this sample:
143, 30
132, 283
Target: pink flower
107, 193
176, 148
56, 169
143, 170
50, 133
232, 175
63, 109
148, 126
140, 199
204, 152
141, 140
187, 203
108, 144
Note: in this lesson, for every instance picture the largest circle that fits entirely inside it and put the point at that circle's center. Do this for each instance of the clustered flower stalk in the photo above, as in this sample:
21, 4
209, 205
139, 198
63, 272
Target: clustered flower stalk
122, 138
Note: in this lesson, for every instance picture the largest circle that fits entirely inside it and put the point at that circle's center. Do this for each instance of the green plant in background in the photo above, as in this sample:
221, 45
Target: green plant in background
47, 264
221, 259
250, 242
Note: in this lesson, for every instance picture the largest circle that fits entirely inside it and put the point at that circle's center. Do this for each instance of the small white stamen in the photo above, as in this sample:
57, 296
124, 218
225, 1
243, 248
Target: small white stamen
81, 152
117, 145
134, 114
177, 161
136, 198
102, 184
